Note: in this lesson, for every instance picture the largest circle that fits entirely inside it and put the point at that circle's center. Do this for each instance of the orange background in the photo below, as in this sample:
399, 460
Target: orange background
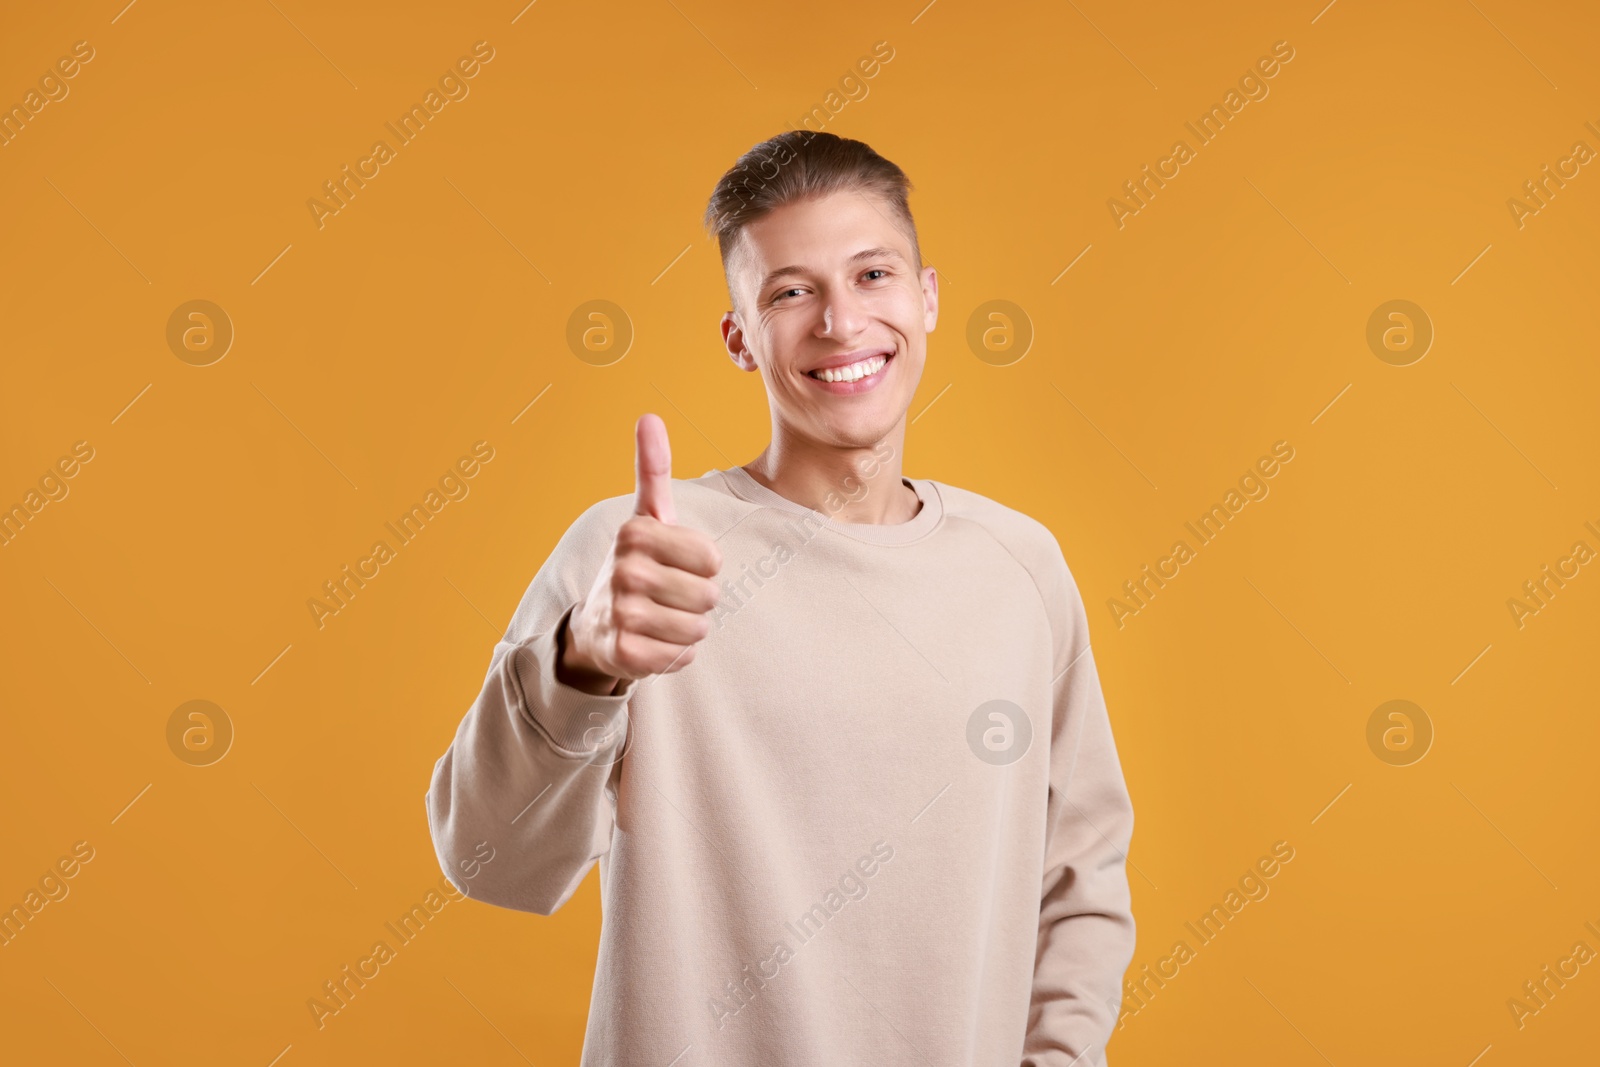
371, 353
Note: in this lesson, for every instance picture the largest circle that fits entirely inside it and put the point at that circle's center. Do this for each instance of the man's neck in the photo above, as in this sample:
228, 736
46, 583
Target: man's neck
860, 485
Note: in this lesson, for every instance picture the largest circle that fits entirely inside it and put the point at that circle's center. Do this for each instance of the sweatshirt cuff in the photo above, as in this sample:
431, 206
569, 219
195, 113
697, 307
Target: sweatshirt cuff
579, 725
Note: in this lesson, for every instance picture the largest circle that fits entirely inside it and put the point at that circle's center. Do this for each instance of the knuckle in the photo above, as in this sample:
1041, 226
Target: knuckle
621, 615
628, 574
632, 535
626, 615
629, 657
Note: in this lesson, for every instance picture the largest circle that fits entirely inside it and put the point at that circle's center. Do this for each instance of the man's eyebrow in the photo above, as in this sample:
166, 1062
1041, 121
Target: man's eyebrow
864, 254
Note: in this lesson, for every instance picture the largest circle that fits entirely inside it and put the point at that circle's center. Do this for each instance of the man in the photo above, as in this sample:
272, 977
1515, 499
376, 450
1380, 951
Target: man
834, 736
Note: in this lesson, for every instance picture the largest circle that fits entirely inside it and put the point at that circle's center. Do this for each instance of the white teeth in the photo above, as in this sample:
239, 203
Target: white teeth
853, 372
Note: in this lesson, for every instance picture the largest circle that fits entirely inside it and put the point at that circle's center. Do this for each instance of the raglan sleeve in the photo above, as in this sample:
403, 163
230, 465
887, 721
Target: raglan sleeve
1086, 924
521, 806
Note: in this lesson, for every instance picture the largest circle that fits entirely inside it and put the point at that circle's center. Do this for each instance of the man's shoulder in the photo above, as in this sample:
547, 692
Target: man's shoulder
1029, 541
1016, 529
1032, 544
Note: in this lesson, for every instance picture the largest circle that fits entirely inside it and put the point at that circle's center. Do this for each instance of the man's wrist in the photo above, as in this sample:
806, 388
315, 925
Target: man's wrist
576, 670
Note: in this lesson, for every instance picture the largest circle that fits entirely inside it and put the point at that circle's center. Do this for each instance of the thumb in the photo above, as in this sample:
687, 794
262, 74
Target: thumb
653, 470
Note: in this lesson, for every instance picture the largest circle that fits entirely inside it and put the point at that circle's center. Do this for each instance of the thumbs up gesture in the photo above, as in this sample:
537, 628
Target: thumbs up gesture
647, 609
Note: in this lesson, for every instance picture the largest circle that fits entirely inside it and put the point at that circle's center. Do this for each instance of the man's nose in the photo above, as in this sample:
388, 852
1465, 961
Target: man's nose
842, 314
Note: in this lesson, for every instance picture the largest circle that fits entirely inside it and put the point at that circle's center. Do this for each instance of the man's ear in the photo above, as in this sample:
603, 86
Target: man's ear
930, 299
733, 339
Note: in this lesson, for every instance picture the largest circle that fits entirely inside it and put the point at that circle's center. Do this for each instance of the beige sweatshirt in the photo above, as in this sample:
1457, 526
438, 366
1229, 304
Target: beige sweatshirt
878, 820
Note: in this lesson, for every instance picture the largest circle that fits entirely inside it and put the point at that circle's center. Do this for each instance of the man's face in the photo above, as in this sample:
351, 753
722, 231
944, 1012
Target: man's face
822, 279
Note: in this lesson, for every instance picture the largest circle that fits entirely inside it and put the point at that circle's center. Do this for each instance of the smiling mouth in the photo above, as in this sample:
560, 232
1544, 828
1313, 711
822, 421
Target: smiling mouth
853, 372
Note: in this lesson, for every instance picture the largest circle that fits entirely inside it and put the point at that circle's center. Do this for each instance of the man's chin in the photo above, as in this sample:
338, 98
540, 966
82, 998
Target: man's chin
854, 433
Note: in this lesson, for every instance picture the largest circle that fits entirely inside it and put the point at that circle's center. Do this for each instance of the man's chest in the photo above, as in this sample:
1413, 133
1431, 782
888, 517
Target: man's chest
841, 676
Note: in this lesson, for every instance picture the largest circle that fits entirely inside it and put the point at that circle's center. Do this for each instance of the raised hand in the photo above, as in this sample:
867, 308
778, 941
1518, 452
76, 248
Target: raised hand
647, 609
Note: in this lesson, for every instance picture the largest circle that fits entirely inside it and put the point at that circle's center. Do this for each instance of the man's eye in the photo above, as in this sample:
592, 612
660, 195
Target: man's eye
786, 292
877, 270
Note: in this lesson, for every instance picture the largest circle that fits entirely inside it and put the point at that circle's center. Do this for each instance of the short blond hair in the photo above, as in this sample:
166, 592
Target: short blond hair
803, 165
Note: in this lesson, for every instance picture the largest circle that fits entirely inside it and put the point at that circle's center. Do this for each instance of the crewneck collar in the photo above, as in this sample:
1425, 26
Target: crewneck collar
745, 487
